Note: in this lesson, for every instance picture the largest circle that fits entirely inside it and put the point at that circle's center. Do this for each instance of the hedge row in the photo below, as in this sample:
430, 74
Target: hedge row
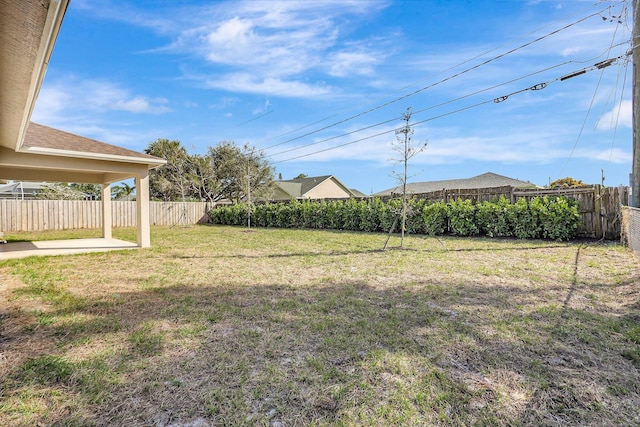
554, 218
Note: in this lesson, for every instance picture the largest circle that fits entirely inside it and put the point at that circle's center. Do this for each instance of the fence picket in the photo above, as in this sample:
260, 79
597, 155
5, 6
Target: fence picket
42, 215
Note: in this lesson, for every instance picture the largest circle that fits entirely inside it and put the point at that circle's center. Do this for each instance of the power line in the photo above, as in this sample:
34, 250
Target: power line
443, 103
598, 66
488, 61
255, 118
300, 128
422, 110
480, 55
593, 99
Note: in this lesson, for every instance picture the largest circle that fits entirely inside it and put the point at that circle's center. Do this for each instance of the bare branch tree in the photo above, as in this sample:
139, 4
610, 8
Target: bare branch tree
407, 150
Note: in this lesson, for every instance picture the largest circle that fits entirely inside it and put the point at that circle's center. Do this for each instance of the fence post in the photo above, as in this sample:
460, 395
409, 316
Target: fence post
597, 193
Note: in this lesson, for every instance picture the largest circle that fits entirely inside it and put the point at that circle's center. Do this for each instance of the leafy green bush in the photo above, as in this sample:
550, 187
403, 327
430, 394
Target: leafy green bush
493, 218
524, 219
462, 218
435, 217
560, 218
351, 215
415, 222
370, 217
549, 218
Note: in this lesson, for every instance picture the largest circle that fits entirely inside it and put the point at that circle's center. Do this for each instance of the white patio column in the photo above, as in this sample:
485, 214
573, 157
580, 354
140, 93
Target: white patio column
107, 220
142, 205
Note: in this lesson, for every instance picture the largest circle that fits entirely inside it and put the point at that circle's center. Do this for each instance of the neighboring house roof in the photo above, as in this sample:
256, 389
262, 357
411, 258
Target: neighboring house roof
20, 190
318, 187
357, 193
486, 180
27, 190
8, 190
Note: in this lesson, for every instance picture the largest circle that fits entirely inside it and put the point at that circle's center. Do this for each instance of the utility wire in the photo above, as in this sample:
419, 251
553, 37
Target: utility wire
480, 55
514, 39
296, 130
385, 132
441, 104
488, 61
615, 129
255, 118
598, 66
593, 99
423, 110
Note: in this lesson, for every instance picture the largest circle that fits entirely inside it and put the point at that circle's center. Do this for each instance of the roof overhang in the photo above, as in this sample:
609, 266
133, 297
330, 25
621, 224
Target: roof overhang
28, 31
37, 167
53, 155
28, 151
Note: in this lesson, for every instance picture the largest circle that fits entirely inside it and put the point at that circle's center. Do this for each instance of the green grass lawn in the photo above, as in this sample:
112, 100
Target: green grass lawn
222, 326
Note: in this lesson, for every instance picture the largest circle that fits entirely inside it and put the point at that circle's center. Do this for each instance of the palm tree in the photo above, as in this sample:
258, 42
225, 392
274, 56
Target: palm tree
122, 191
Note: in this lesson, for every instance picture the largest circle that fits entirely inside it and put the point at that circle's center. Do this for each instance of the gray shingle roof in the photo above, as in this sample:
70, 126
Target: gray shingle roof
357, 193
46, 137
486, 180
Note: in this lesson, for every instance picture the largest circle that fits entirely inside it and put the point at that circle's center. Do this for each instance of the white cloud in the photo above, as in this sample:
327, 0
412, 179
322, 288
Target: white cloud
344, 64
620, 115
248, 83
84, 107
142, 105
225, 102
288, 45
262, 109
68, 96
459, 146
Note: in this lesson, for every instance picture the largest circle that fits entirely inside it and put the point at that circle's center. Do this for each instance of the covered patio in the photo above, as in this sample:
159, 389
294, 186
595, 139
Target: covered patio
61, 247
52, 155
33, 152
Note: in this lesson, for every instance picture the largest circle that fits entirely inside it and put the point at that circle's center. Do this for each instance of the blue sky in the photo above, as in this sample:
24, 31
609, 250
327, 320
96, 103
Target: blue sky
320, 86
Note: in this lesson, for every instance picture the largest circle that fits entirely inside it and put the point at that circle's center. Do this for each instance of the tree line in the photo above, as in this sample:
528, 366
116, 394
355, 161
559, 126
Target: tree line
225, 171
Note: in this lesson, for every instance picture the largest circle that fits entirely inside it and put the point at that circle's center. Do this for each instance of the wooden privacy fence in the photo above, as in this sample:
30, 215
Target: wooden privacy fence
42, 215
599, 207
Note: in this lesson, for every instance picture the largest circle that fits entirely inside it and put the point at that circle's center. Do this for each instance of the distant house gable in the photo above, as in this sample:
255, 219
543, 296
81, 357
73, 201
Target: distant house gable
485, 180
318, 187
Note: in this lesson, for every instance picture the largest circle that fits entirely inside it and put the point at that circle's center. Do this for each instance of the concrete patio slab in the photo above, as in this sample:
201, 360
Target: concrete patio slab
61, 247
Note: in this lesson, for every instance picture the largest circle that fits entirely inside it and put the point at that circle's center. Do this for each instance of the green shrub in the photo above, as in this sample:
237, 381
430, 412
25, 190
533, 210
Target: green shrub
435, 217
350, 215
388, 216
285, 217
415, 222
559, 219
308, 214
524, 219
550, 218
493, 218
371, 215
462, 218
